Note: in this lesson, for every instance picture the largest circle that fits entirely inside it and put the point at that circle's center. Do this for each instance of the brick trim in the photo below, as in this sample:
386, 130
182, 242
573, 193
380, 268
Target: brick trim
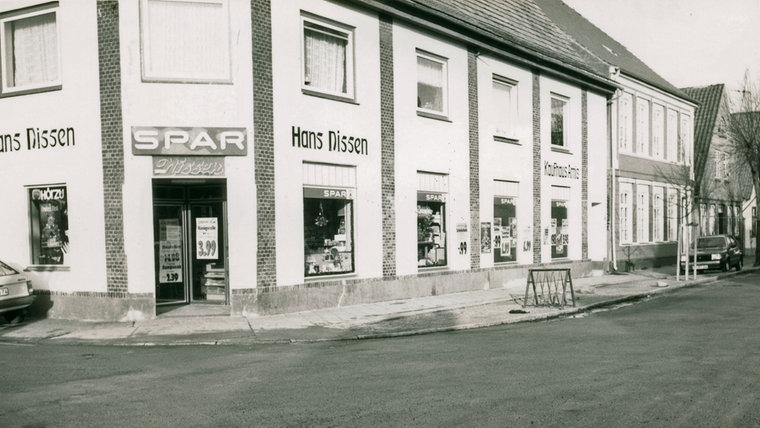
263, 119
388, 146
472, 86
584, 173
112, 144
537, 243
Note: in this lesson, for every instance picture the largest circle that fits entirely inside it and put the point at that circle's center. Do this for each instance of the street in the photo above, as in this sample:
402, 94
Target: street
687, 358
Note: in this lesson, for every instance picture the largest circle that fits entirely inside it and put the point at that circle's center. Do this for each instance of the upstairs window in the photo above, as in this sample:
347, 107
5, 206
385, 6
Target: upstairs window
504, 107
642, 127
559, 114
431, 84
185, 40
671, 135
658, 131
625, 121
328, 58
29, 51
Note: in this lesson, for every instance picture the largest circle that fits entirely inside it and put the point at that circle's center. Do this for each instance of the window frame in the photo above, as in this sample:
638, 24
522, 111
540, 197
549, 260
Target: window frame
349, 226
642, 213
643, 126
350, 62
565, 145
150, 76
505, 126
8, 18
658, 214
625, 213
625, 123
443, 61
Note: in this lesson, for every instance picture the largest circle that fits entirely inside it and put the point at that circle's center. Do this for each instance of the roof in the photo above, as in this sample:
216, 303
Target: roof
601, 45
705, 118
516, 26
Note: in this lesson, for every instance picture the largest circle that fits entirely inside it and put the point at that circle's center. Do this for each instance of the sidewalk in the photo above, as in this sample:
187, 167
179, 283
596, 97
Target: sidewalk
457, 311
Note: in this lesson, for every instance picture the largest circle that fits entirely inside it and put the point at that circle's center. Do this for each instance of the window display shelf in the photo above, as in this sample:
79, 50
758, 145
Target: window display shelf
214, 283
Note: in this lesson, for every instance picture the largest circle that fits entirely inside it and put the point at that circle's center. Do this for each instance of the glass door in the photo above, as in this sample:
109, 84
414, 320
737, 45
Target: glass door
170, 248
208, 256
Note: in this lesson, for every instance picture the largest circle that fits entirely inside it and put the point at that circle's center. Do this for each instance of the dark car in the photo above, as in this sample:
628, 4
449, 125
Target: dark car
15, 292
716, 252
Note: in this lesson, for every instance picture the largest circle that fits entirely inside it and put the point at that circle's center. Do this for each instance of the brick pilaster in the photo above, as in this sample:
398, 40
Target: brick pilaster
112, 144
537, 243
472, 86
388, 146
263, 120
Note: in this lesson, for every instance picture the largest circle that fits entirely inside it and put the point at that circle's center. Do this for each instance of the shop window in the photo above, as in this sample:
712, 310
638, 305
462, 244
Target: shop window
642, 127
560, 229
626, 220
30, 51
504, 229
504, 107
49, 222
185, 41
431, 84
328, 58
328, 230
431, 229
558, 125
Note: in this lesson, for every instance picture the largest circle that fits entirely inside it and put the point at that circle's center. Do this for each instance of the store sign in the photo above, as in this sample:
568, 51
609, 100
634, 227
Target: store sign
196, 141
188, 166
328, 193
501, 200
431, 197
553, 169
207, 238
37, 139
332, 141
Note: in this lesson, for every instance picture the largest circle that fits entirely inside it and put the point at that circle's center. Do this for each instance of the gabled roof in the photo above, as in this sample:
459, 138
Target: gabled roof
601, 45
516, 26
705, 118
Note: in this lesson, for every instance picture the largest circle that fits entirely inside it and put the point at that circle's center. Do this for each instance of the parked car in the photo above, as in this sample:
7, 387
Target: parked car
716, 252
15, 292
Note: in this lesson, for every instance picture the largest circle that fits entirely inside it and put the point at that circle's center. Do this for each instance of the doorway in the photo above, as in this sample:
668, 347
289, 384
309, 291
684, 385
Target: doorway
190, 241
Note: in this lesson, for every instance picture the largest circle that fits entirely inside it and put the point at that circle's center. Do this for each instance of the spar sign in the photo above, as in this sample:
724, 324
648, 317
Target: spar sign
187, 141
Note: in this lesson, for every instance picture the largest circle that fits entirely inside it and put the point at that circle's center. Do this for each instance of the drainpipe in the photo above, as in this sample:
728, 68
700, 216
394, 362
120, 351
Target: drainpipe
613, 198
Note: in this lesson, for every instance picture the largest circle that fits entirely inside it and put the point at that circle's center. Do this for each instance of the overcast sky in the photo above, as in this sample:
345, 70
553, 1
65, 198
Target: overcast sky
688, 42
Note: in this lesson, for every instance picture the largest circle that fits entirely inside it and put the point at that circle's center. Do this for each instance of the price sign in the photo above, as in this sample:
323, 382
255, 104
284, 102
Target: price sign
170, 254
206, 238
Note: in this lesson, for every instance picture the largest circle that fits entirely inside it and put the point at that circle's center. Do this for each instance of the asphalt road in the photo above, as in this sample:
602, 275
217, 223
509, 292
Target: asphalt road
687, 358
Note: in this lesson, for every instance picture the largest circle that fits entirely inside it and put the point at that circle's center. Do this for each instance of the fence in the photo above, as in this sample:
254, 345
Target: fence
549, 287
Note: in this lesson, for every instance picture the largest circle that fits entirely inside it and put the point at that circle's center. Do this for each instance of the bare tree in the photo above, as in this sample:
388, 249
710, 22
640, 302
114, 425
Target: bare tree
744, 130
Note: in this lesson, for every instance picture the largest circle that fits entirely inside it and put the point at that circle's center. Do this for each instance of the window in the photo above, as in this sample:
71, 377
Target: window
505, 222
504, 107
328, 58
658, 131
625, 125
29, 51
642, 213
431, 84
558, 121
49, 222
328, 219
672, 217
431, 219
686, 138
658, 215
671, 135
626, 220
642, 127
185, 40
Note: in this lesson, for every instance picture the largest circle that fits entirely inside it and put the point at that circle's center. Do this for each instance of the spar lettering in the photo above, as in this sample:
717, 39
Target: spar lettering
334, 141
336, 194
37, 139
556, 170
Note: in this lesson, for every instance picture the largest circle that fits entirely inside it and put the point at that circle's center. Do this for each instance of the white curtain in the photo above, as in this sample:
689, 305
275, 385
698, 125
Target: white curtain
325, 61
35, 51
429, 84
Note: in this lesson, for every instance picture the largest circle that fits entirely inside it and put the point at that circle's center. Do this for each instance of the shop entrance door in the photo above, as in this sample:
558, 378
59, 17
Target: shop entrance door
189, 224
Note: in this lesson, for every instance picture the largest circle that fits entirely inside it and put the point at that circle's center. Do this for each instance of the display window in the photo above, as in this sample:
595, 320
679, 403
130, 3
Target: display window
504, 229
559, 229
49, 222
328, 231
431, 229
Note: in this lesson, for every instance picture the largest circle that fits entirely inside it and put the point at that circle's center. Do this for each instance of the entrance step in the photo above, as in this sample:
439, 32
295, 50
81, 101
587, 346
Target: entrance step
193, 310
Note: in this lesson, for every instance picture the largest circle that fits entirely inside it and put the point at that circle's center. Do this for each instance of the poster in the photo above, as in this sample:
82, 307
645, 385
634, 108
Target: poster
170, 251
485, 237
206, 238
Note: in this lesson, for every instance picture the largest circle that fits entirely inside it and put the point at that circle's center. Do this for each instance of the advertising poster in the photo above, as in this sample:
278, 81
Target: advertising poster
206, 238
485, 237
170, 251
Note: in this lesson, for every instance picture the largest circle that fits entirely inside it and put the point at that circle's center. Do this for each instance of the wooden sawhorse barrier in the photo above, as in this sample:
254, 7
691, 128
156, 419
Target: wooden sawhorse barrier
549, 286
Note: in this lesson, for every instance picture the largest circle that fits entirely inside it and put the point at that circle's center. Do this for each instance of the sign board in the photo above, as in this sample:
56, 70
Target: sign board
189, 141
328, 193
170, 251
188, 166
206, 238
